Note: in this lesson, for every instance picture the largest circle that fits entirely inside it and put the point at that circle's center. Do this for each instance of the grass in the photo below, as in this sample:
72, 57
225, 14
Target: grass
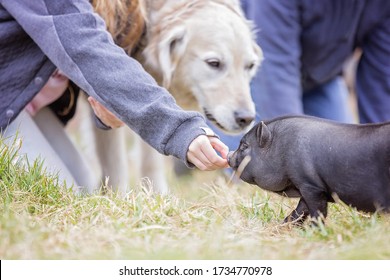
204, 217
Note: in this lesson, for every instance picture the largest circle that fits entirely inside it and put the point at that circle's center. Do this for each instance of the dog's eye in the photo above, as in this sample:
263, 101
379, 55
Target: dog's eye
214, 63
250, 66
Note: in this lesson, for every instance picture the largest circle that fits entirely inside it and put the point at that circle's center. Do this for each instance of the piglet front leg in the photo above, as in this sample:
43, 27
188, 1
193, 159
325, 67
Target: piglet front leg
316, 201
299, 214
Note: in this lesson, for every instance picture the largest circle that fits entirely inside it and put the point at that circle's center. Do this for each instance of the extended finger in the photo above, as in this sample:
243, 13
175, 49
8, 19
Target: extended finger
198, 163
93, 104
219, 146
196, 154
213, 159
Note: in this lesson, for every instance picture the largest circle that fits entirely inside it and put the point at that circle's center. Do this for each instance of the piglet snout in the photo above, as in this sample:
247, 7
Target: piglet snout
229, 156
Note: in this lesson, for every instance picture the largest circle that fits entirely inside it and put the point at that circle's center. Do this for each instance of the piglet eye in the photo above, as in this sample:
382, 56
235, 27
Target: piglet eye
243, 146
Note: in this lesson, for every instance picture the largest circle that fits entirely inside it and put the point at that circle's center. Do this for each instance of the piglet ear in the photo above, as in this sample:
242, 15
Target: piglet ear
263, 134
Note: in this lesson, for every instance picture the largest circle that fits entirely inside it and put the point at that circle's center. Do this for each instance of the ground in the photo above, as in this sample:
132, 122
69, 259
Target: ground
204, 217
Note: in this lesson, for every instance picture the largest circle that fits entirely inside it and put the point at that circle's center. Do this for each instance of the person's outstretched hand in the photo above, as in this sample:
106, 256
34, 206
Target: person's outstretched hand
202, 153
108, 118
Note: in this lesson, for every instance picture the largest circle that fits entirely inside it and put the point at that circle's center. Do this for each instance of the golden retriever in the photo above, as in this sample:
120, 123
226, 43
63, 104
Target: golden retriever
202, 51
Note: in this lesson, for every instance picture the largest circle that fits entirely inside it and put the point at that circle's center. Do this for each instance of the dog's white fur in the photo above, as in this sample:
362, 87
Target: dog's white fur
204, 53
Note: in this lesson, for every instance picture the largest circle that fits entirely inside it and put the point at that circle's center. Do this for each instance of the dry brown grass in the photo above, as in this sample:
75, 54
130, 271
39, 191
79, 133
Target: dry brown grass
203, 218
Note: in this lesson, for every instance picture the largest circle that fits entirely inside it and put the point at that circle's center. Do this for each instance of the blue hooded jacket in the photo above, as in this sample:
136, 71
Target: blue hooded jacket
36, 37
305, 44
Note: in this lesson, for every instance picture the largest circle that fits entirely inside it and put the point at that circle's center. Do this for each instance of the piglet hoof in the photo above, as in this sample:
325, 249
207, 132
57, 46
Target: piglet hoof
296, 218
296, 221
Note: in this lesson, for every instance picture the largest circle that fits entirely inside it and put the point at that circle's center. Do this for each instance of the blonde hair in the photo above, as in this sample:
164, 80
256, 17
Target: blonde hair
125, 20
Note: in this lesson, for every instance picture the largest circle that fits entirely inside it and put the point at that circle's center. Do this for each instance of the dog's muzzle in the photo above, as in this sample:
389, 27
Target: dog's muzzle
243, 118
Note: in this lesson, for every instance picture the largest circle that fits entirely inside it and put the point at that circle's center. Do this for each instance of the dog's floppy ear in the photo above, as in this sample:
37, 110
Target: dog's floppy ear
263, 134
170, 50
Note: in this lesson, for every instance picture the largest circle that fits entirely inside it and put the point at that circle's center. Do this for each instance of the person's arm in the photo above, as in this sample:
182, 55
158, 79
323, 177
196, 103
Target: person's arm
373, 76
276, 88
75, 40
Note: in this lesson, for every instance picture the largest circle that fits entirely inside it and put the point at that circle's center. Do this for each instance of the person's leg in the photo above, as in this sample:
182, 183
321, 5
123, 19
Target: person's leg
72, 158
329, 101
35, 145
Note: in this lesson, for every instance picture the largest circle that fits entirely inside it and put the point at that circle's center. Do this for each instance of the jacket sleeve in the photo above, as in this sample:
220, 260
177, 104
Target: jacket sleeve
276, 88
75, 39
373, 75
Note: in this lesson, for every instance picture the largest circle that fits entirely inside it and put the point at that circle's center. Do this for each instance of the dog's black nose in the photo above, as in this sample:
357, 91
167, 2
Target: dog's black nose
243, 118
